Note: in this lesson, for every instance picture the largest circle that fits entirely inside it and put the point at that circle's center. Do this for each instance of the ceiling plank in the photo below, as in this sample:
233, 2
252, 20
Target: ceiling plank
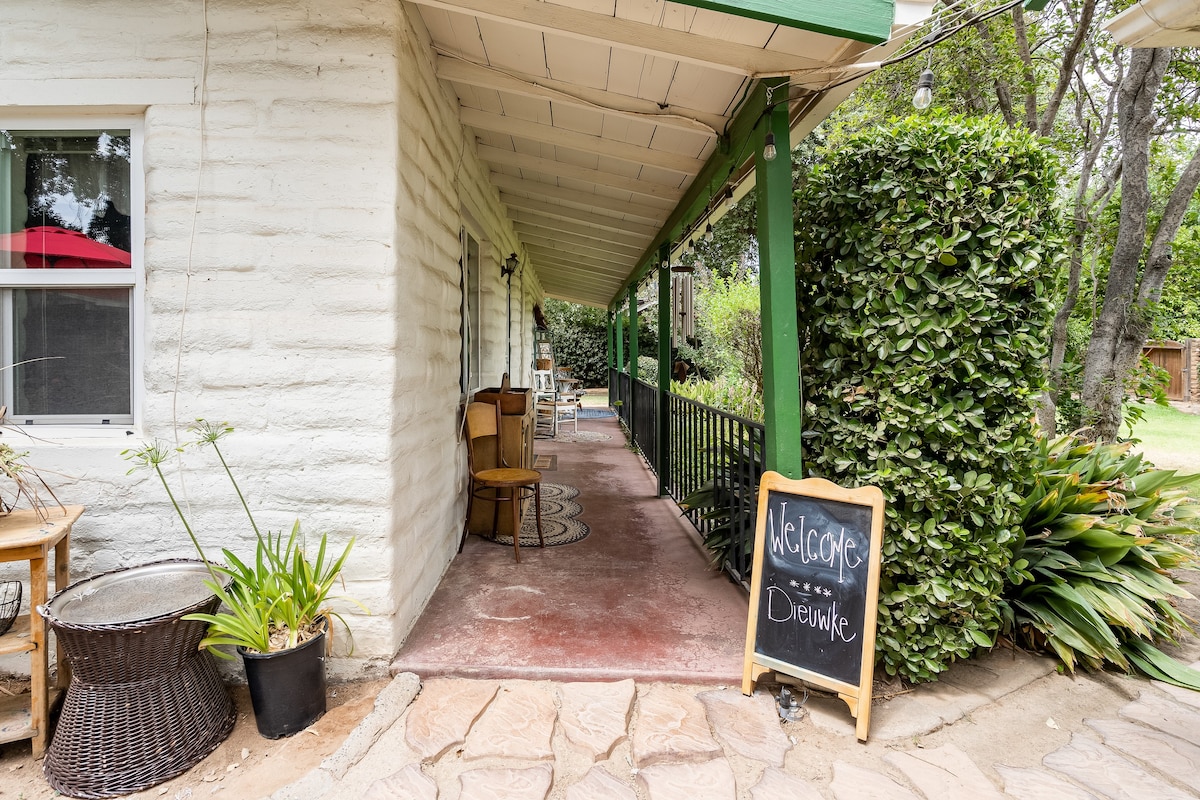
572, 259
560, 137
457, 70
540, 236
613, 235
525, 209
585, 200
628, 34
561, 169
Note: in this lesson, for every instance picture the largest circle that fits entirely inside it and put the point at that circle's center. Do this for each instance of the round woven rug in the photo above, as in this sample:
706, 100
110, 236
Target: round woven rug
559, 523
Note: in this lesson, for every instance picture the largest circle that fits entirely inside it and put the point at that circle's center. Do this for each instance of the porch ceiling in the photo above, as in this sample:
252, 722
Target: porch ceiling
596, 117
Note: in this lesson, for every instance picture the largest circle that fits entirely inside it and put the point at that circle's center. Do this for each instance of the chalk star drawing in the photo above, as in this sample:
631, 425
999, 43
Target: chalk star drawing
794, 583
818, 589
807, 586
828, 593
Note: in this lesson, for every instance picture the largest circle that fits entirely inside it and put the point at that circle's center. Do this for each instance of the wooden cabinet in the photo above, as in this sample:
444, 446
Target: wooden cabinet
516, 441
25, 537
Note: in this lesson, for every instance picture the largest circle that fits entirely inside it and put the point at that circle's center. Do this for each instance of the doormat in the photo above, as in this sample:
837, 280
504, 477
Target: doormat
595, 413
545, 463
581, 436
559, 523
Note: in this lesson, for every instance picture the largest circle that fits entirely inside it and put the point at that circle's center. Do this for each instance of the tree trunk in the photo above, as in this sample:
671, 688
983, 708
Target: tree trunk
1119, 325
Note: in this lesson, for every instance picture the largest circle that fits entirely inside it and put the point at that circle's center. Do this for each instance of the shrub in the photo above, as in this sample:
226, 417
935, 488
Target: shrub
924, 252
1089, 578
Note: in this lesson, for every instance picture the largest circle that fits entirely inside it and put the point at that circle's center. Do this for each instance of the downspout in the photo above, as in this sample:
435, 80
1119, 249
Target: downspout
777, 288
664, 369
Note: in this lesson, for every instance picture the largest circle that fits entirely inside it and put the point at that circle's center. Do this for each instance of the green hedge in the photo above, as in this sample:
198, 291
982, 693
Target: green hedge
925, 252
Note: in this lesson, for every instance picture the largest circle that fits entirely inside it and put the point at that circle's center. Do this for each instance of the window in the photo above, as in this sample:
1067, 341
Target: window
69, 217
469, 327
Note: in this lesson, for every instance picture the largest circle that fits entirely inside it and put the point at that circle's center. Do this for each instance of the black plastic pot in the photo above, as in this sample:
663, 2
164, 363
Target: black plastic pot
287, 688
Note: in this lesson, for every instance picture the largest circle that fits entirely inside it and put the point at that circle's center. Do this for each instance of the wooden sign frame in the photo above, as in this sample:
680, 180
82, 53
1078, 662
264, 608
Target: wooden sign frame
856, 696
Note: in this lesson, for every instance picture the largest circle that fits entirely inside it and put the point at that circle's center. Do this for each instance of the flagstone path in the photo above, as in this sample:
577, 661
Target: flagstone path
458, 739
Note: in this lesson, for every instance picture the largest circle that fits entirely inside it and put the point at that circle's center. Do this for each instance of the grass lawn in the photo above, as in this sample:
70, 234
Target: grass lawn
1170, 439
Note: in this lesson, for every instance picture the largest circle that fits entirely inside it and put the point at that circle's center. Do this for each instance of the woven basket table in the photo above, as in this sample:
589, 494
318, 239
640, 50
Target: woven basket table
144, 704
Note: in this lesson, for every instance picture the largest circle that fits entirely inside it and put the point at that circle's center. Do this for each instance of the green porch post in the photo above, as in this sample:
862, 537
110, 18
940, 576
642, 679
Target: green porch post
619, 336
777, 286
663, 433
633, 356
608, 341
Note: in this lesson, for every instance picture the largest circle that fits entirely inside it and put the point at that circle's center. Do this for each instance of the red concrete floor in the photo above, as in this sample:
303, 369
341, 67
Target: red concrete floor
635, 599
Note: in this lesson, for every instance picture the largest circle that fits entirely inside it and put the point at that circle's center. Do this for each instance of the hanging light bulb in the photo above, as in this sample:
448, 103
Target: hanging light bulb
769, 151
924, 94
708, 232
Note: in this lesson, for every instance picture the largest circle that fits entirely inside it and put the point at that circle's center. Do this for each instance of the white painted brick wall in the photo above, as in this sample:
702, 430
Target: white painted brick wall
322, 310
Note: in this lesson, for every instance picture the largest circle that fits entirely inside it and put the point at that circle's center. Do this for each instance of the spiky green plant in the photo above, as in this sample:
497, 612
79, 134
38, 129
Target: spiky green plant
274, 602
1090, 578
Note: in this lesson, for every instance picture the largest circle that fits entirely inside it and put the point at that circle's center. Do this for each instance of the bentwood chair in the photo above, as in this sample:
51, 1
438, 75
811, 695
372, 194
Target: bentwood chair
500, 484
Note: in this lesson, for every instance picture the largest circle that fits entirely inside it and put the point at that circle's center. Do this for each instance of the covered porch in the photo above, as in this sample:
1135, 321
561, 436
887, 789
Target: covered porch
636, 598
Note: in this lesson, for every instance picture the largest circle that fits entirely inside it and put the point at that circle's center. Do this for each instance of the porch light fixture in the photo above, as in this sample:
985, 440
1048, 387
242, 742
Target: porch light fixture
924, 94
769, 151
509, 267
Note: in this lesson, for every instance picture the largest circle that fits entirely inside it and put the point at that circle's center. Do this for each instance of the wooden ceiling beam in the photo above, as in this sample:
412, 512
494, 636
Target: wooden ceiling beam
586, 200
582, 142
597, 100
592, 217
559, 169
627, 34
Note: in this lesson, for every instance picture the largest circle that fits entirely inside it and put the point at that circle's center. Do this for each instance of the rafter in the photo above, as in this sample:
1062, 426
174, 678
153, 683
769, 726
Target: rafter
583, 199
572, 214
608, 235
614, 269
560, 169
691, 120
561, 137
540, 236
627, 34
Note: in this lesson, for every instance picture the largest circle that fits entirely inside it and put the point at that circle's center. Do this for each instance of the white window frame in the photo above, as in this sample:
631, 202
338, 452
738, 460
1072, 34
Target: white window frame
132, 279
472, 350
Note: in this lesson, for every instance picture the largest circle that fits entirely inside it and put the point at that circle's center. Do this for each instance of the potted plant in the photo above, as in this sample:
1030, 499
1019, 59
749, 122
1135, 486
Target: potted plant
274, 607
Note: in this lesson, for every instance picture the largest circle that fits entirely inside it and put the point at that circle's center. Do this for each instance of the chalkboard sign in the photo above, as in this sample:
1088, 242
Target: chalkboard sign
815, 587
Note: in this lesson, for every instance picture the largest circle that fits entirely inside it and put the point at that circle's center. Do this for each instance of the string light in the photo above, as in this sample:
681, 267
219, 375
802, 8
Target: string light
769, 151
924, 94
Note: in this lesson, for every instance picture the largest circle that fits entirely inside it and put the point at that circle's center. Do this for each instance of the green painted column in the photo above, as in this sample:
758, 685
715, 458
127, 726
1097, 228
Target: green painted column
663, 419
777, 285
619, 335
608, 341
633, 354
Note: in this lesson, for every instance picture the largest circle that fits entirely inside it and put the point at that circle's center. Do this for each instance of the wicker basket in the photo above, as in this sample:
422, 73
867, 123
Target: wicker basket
10, 604
144, 704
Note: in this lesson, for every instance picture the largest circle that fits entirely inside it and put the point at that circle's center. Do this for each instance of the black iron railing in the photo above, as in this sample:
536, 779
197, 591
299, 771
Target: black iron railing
708, 449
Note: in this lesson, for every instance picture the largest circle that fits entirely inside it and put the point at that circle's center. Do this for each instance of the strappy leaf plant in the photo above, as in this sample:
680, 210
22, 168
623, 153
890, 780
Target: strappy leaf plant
278, 600
1090, 579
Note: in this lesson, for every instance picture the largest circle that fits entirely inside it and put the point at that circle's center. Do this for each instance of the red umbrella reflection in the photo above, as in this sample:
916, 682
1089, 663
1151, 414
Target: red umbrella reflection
49, 247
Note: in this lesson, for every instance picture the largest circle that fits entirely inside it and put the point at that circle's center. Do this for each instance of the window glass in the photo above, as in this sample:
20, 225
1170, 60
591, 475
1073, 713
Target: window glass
71, 352
68, 200
470, 310
67, 206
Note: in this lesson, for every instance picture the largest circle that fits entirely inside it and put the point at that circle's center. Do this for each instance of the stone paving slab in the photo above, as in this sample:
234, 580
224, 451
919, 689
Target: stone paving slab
407, 784
776, 784
747, 726
518, 724
595, 716
671, 726
599, 785
1157, 711
707, 780
1038, 784
504, 783
1108, 774
857, 783
1185, 696
444, 712
1169, 754
944, 773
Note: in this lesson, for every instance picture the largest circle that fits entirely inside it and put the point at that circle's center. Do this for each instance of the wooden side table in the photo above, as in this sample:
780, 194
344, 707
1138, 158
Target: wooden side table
25, 537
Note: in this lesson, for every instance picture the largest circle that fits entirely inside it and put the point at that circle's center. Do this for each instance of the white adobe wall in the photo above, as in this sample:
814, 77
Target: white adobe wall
321, 314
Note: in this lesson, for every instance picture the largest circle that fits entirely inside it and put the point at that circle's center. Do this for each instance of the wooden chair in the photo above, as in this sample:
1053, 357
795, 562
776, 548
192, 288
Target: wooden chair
553, 405
500, 484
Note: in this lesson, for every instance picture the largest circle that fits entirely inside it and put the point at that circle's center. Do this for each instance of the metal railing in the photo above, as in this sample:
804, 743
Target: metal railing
707, 449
